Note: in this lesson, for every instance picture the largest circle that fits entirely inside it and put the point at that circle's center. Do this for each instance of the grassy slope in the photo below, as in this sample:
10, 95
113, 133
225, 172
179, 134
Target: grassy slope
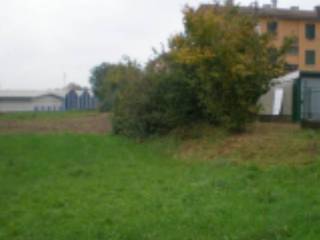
107, 187
264, 144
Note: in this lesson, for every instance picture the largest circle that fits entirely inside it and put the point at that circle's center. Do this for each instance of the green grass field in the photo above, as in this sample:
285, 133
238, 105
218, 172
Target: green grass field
78, 186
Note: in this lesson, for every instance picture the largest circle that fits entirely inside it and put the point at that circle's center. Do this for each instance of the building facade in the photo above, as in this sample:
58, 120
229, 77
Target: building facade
28, 101
300, 25
297, 94
303, 26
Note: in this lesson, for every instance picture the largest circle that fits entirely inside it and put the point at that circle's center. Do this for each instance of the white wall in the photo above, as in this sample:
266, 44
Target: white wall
44, 103
16, 106
48, 103
267, 100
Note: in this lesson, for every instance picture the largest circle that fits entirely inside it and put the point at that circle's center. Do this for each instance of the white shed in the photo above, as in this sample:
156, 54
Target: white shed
278, 101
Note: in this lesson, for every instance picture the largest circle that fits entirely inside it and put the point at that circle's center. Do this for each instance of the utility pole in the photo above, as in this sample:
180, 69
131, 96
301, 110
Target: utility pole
64, 79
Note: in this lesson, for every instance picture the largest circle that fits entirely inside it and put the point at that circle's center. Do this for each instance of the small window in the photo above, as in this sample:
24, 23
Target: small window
310, 57
294, 50
310, 31
272, 27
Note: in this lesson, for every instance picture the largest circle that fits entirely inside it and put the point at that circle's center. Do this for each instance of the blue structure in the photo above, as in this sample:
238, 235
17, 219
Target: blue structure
71, 100
84, 100
80, 100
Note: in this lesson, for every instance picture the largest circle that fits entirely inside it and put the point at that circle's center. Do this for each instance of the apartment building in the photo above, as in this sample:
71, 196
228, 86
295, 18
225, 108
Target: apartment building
303, 26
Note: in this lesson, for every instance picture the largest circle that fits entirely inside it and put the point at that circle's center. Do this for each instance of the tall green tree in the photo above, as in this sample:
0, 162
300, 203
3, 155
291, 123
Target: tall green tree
231, 63
98, 74
108, 79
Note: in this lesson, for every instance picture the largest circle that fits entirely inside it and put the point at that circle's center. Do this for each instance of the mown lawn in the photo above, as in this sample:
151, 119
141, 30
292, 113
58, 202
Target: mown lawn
70, 186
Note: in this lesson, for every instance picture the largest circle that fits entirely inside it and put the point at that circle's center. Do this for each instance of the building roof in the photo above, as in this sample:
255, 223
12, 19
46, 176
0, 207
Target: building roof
279, 13
289, 77
20, 93
30, 93
293, 14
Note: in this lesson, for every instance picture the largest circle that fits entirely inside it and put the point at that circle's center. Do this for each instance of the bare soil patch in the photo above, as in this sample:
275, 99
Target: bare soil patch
96, 123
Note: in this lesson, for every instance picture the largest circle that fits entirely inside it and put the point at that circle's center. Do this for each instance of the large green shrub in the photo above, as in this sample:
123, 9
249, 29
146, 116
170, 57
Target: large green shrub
154, 105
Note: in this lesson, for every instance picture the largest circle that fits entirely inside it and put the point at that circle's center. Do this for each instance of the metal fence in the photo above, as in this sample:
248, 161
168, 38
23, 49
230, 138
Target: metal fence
311, 104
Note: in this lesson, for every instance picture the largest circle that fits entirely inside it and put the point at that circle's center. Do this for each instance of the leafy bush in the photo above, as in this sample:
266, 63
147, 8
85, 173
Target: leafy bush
231, 61
155, 105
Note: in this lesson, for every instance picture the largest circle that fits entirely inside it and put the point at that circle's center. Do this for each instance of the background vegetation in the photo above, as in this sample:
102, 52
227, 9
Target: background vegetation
108, 79
215, 71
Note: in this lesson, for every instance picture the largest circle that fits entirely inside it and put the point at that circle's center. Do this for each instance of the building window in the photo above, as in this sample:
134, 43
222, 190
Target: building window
272, 27
310, 57
310, 31
294, 50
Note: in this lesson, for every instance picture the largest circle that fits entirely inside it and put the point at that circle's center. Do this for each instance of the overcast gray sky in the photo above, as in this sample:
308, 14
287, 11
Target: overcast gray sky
42, 39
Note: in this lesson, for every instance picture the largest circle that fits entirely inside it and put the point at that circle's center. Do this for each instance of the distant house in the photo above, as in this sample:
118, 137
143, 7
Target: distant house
28, 101
57, 100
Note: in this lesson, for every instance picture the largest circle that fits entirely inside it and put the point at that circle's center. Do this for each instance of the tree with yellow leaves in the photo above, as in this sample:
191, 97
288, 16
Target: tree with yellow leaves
230, 62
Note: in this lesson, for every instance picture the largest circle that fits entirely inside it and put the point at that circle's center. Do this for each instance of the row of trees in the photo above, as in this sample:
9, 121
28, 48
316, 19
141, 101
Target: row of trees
215, 71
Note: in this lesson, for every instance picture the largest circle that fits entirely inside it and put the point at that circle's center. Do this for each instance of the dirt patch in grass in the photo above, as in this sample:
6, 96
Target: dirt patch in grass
265, 143
97, 123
